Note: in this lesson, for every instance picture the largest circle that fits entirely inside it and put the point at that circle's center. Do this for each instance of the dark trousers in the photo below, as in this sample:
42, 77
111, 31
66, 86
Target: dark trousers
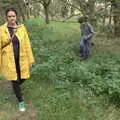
85, 48
17, 89
17, 84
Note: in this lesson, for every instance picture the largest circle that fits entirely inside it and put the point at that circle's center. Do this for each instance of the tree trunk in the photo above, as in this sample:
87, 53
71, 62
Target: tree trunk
90, 11
116, 17
28, 10
22, 15
22, 12
105, 11
46, 8
116, 26
110, 16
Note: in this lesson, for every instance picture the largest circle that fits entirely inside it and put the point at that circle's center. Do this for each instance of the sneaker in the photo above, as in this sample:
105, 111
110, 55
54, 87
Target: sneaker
22, 107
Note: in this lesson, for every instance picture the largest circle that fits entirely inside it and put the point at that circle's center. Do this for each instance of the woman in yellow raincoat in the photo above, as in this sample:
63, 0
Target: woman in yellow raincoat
16, 57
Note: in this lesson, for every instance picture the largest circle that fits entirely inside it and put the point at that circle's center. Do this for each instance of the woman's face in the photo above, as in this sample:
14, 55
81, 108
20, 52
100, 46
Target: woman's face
11, 17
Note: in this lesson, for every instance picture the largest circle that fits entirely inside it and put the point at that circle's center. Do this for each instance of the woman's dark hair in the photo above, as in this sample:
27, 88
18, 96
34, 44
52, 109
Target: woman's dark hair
10, 9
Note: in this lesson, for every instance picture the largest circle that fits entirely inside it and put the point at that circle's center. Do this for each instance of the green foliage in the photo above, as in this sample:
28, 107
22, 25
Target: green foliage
62, 85
107, 30
57, 54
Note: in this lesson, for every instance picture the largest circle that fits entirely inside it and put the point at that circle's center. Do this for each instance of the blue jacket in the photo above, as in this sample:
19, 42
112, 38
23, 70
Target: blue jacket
86, 31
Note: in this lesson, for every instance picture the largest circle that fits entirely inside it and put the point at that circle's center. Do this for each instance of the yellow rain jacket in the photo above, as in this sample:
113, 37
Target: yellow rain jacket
7, 62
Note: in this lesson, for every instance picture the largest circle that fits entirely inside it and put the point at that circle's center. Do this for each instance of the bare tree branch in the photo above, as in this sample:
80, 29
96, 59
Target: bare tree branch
70, 4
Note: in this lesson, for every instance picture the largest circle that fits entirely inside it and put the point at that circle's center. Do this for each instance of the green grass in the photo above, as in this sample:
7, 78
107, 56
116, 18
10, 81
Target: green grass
62, 86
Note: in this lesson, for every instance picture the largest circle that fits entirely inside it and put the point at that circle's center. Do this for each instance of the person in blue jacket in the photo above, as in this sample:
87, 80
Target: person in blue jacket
86, 36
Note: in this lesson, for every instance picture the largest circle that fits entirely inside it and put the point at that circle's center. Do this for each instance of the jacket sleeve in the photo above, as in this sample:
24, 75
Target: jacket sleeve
91, 29
28, 47
91, 32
